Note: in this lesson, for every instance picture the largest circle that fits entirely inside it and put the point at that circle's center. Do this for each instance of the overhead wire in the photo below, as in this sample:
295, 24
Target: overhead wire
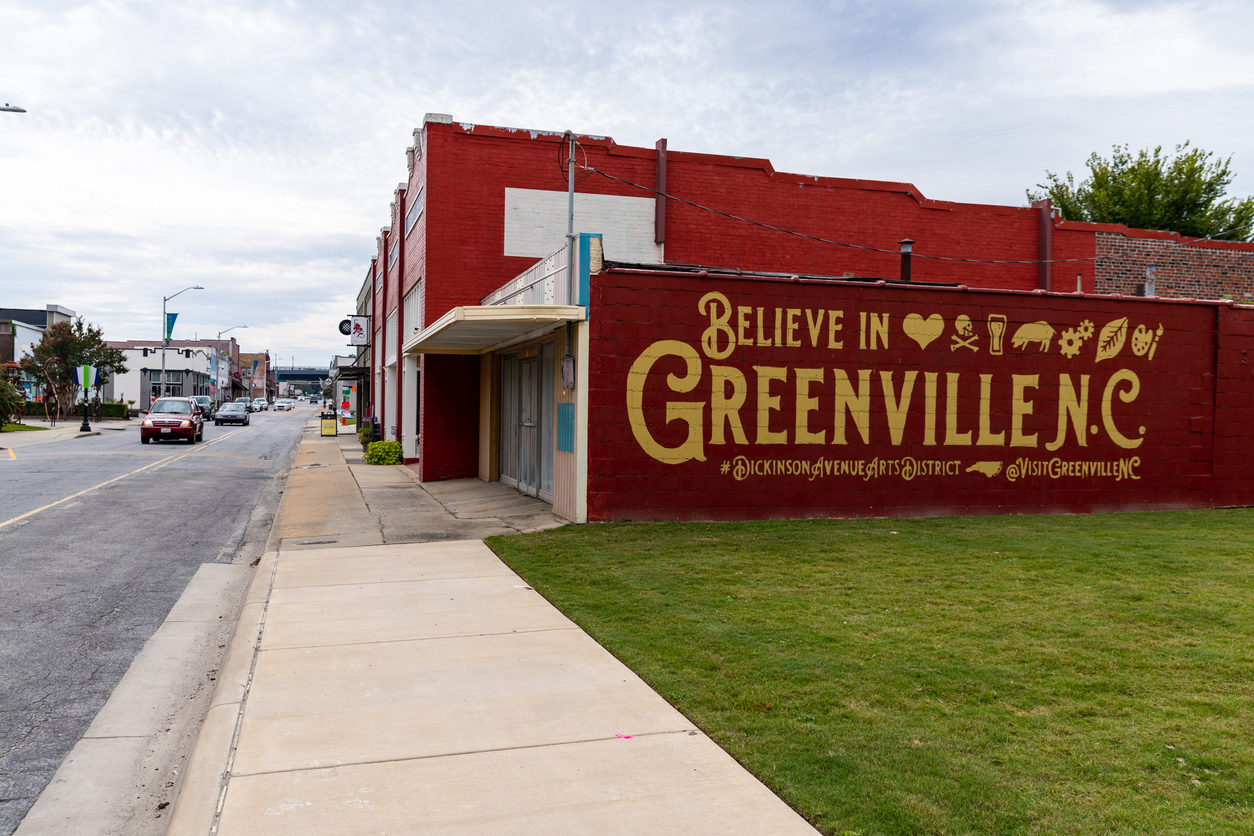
914, 254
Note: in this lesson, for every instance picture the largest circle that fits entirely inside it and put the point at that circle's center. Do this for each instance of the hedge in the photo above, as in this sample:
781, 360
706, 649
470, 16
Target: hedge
106, 410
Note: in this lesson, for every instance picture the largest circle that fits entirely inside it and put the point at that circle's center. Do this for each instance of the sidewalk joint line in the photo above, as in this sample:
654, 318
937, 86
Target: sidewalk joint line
225, 782
421, 639
684, 731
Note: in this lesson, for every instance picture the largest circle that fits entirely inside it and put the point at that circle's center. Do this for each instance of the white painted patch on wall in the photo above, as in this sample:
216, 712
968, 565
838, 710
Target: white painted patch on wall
535, 224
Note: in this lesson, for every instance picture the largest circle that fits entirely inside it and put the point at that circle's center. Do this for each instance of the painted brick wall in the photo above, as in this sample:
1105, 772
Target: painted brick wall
1206, 270
1180, 440
449, 445
466, 168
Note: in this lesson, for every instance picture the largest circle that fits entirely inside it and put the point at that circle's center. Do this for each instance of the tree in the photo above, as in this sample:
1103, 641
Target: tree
11, 404
62, 349
1146, 190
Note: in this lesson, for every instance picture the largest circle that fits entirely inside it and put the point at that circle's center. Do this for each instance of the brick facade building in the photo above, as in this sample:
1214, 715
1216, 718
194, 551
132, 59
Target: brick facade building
476, 379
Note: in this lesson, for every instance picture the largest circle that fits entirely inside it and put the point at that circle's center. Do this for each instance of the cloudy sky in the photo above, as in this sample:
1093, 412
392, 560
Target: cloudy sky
253, 147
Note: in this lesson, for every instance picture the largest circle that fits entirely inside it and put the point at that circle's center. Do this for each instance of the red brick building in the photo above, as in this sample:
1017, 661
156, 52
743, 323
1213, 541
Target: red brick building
554, 381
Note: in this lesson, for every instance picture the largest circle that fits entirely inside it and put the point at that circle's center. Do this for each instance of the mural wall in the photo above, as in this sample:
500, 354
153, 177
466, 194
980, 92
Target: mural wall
736, 398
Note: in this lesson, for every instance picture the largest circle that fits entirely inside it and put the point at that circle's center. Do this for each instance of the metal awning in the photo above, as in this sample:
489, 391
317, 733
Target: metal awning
480, 328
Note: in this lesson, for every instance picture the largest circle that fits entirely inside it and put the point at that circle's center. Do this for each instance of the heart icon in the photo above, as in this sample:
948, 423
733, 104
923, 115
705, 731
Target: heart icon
921, 330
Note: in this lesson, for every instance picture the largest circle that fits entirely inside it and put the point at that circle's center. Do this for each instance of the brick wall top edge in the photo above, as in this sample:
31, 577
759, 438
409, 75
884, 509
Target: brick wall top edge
899, 286
1111, 231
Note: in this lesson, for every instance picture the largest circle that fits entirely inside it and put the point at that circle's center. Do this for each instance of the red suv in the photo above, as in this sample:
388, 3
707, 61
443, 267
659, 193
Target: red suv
172, 418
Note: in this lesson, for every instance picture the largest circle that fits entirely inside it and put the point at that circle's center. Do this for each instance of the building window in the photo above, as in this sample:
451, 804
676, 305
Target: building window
155, 376
396, 248
173, 377
415, 209
413, 311
378, 280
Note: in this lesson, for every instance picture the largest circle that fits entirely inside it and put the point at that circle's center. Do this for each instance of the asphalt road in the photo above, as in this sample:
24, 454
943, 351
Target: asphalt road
84, 583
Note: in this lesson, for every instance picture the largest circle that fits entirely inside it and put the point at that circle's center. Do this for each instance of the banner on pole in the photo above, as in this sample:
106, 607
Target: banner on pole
169, 326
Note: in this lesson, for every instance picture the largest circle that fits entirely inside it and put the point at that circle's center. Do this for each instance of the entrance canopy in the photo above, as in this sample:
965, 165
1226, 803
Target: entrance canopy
475, 329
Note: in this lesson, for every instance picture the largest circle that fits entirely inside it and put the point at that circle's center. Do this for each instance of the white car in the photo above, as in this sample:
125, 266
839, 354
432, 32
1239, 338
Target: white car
283, 405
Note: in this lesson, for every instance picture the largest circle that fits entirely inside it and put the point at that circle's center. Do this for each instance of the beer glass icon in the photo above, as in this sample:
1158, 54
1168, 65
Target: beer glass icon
996, 330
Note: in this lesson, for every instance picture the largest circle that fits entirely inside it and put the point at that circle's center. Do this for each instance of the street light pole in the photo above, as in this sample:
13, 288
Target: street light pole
219, 346
164, 341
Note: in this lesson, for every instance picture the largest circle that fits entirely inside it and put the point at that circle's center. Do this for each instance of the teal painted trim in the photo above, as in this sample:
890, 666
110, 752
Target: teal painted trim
566, 427
585, 254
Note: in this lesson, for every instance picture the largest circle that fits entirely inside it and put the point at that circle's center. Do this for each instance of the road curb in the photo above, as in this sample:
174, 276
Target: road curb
200, 794
95, 783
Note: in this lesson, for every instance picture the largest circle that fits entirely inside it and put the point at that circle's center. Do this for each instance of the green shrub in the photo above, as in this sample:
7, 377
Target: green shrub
383, 452
10, 402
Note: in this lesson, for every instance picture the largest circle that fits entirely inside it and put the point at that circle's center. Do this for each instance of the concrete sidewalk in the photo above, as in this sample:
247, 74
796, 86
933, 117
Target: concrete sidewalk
380, 685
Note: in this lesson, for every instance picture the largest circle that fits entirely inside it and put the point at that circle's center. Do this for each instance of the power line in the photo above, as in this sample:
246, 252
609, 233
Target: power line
915, 254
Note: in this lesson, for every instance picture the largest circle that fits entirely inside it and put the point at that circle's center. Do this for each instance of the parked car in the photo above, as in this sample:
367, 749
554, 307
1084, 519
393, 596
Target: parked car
170, 418
232, 413
206, 406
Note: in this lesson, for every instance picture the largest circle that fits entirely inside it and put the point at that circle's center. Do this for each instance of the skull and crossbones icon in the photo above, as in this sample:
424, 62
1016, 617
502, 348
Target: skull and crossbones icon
966, 336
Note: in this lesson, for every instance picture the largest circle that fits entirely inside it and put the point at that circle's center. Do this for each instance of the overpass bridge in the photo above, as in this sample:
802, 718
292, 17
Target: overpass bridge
305, 376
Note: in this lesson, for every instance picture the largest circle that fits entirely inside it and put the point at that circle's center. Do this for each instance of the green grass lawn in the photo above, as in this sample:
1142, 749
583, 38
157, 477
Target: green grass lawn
18, 428
990, 675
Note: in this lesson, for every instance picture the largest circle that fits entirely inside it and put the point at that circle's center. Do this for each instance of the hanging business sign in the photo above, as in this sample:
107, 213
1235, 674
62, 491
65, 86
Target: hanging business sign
359, 333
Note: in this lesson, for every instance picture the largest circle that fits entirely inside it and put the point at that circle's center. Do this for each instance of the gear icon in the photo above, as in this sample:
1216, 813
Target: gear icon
1086, 330
1070, 341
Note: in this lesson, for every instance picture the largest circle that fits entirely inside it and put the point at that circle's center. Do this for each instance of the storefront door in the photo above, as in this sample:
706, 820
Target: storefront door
527, 409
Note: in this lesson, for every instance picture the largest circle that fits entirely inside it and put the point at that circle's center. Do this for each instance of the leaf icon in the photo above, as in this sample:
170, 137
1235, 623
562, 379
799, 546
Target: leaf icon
1110, 341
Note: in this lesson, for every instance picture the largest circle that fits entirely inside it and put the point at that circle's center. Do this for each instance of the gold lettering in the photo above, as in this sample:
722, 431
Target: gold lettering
778, 337
1134, 388
807, 404
897, 410
742, 325
987, 436
793, 325
725, 410
862, 329
953, 438
859, 405
768, 403
815, 325
762, 340
879, 329
832, 327
1019, 407
1076, 409
689, 412
718, 326
929, 409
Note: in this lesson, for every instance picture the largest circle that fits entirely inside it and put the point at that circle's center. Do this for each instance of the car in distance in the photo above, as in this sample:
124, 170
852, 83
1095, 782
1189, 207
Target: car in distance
246, 401
232, 413
206, 406
283, 404
170, 418
260, 404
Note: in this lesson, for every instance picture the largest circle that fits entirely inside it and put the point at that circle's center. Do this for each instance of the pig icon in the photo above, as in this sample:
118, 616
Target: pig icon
1033, 332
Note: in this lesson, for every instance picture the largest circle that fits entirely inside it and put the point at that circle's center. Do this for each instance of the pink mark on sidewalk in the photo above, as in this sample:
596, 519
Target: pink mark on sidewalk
624, 736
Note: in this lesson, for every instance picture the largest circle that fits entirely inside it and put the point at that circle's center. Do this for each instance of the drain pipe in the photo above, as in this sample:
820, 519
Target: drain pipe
570, 219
